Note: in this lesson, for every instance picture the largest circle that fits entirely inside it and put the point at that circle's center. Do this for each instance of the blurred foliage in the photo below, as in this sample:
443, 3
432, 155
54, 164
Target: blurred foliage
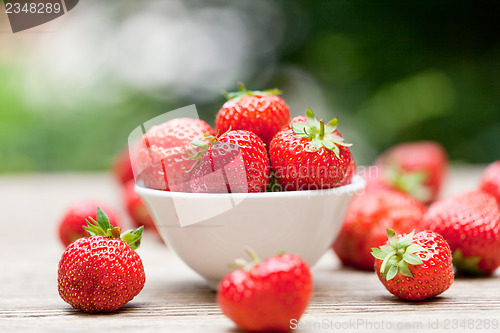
411, 70
397, 72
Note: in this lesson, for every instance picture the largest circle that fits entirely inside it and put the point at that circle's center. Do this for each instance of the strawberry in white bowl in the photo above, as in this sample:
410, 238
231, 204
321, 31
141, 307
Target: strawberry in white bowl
229, 202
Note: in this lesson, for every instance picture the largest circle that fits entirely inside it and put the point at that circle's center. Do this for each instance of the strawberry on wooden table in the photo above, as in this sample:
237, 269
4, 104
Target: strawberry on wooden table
490, 180
470, 223
414, 267
262, 112
103, 272
237, 161
309, 154
416, 168
265, 296
71, 226
367, 218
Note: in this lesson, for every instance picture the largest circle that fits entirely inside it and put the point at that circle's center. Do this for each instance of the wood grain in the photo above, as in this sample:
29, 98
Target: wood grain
175, 299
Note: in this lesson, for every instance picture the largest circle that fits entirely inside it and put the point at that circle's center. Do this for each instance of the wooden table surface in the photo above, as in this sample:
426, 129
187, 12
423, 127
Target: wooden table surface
175, 299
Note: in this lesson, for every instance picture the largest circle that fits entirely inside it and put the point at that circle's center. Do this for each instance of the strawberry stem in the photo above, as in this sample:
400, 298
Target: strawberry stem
102, 227
253, 255
321, 129
243, 264
319, 134
115, 232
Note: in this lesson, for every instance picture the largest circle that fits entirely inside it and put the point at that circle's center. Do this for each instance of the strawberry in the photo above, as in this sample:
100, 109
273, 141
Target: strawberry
367, 218
161, 159
416, 168
470, 223
414, 267
237, 161
490, 180
136, 208
262, 112
103, 272
74, 219
351, 170
307, 154
121, 168
266, 296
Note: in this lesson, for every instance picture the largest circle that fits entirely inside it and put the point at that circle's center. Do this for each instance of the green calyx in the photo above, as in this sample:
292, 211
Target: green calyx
398, 255
102, 227
410, 182
467, 265
241, 263
201, 146
237, 95
319, 134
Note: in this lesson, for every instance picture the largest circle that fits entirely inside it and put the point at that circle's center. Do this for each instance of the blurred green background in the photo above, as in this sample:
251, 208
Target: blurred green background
72, 90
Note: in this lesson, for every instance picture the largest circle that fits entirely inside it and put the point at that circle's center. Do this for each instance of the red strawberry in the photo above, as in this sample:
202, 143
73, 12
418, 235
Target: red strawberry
416, 168
136, 208
121, 167
414, 267
177, 132
490, 180
367, 218
265, 297
235, 162
310, 155
101, 273
351, 170
162, 161
73, 221
262, 112
470, 223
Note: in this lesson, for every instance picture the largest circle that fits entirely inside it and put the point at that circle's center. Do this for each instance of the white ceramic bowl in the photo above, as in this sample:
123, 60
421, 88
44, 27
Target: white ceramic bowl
209, 230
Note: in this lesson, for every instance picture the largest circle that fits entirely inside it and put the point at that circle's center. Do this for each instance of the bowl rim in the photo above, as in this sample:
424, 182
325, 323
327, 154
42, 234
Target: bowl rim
357, 184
